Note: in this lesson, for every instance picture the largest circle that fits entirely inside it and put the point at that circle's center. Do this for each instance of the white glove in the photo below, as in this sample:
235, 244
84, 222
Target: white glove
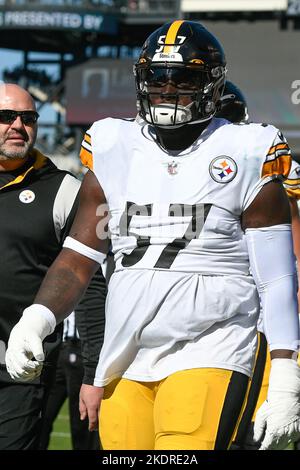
25, 343
278, 418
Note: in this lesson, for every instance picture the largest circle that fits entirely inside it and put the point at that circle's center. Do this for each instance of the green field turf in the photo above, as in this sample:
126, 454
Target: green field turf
60, 436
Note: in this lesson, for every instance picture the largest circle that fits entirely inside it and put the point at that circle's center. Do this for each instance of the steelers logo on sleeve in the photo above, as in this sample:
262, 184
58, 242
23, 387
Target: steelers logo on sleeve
223, 169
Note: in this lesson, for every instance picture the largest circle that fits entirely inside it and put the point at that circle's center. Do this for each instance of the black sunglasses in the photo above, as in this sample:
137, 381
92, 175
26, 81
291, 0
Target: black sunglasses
8, 116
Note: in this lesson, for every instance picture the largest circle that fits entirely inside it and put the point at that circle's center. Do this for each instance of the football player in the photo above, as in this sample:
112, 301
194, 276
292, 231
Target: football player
192, 204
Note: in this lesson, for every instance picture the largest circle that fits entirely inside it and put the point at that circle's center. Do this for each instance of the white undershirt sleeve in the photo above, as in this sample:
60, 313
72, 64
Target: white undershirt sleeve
63, 203
273, 266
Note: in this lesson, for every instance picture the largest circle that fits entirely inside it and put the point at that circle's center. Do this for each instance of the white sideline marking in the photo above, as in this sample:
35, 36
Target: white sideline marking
60, 434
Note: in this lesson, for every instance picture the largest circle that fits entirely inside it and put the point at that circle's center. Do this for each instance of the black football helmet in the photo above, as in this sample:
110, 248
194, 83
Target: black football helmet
186, 55
233, 104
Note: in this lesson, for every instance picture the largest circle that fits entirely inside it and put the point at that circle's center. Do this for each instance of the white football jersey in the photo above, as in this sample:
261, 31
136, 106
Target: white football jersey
181, 296
292, 183
180, 212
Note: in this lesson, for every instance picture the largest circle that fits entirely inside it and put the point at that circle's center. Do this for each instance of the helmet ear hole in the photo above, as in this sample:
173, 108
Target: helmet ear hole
210, 107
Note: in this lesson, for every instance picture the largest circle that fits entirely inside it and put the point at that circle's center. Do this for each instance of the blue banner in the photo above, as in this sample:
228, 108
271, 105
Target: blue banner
58, 20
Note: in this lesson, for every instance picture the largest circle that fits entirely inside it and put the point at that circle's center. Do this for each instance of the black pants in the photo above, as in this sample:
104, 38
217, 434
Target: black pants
244, 436
21, 408
68, 381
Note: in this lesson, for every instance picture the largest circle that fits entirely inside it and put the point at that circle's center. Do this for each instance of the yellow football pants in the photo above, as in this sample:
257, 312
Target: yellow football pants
191, 409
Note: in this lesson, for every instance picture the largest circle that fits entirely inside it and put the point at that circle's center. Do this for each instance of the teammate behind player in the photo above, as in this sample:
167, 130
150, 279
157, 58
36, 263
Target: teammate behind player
233, 105
194, 202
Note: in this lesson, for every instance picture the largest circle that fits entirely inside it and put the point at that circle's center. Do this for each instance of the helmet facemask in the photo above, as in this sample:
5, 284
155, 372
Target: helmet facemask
194, 93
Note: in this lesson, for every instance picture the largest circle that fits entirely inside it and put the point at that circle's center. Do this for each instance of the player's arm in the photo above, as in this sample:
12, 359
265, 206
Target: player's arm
296, 235
269, 239
268, 219
295, 226
64, 284
292, 187
69, 275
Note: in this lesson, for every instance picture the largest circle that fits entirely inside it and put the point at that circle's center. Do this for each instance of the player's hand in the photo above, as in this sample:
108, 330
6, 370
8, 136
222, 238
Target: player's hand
89, 404
277, 421
24, 356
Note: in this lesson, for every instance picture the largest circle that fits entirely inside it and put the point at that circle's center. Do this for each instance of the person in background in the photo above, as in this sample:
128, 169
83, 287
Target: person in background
195, 210
37, 206
233, 105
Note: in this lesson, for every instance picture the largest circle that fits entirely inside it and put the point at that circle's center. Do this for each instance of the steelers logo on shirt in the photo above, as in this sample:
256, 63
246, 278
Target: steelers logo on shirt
27, 196
223, 169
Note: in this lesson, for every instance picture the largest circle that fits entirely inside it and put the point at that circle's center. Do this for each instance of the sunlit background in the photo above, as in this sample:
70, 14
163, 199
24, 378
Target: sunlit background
76, 57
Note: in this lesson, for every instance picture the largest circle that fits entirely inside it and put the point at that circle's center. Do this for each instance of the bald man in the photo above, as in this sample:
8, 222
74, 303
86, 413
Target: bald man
37, 205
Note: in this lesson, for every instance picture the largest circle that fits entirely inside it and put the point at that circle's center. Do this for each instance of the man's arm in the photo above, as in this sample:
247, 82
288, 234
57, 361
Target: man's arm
71, 272
270, 208
272, 262
295, 226
296, 236
64, 284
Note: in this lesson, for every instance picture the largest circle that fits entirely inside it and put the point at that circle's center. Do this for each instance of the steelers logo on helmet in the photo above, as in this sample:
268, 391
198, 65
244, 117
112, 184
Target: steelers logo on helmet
223, 169
180, 75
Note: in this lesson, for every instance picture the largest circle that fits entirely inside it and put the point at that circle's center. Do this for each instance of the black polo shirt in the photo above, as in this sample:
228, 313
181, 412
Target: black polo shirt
36, 211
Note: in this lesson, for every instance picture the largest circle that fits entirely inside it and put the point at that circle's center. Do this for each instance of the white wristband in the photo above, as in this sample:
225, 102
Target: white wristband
42, 311
84, 250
